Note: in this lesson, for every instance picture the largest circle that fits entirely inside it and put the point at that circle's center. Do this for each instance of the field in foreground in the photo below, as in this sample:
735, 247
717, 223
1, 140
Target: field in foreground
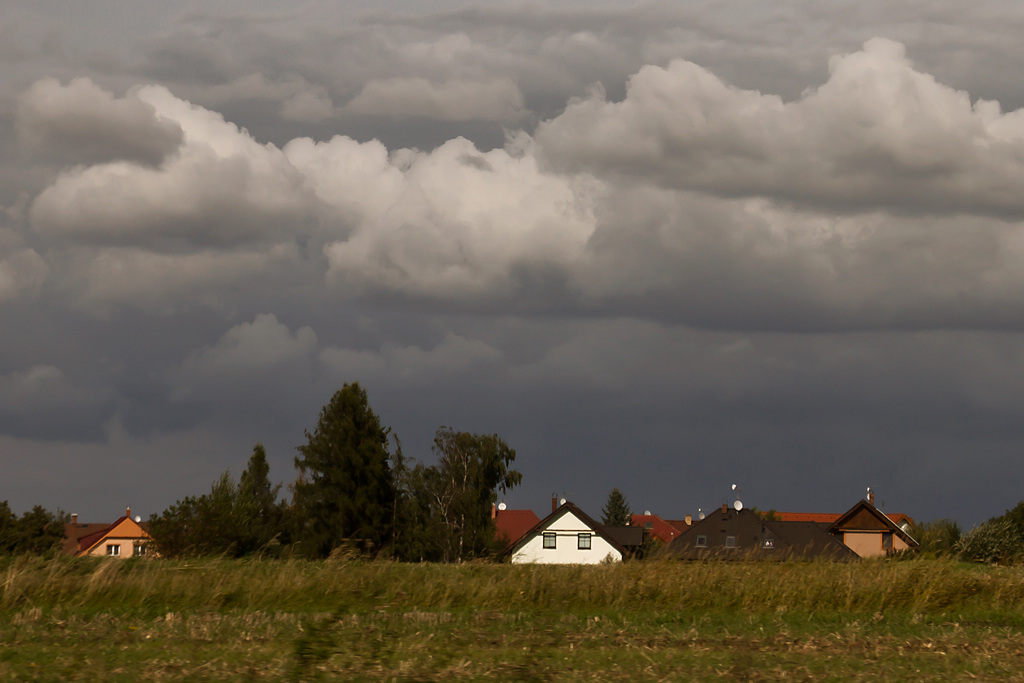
63, 619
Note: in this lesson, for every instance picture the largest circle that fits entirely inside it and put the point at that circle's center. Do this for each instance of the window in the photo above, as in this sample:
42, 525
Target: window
702, 541
769, 543
140, 550
549, 541
886, 540
730, 541
583, 541
648, 525
113, 550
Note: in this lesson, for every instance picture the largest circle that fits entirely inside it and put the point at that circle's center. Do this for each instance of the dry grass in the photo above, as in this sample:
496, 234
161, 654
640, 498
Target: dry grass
218, 619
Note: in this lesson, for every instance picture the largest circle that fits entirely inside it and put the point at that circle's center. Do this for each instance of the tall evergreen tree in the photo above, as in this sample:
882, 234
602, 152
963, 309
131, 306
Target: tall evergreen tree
233, 519
345, 492
616, 511
262, 515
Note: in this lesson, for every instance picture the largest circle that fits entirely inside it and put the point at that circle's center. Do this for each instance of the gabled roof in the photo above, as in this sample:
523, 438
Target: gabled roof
754, 538
511, 525
123, 527
865, 517
659, 528
555, 515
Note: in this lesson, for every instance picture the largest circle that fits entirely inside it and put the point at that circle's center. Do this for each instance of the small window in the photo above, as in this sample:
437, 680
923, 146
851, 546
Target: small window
702, 541
583, 541
549, 541
140, 550
730, 541
113, 550
648, 525
886, 540
769, 543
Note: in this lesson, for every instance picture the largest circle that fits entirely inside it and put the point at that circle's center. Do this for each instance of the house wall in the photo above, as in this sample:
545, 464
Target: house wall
127, 547
125, 535
567, 529
869, 543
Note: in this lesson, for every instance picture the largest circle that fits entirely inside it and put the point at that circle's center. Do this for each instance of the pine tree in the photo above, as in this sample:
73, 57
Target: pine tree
616, 511
345, 491
261, 513
233, 519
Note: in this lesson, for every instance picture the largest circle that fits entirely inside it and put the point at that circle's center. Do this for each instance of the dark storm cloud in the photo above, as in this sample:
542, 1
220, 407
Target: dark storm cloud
670, 247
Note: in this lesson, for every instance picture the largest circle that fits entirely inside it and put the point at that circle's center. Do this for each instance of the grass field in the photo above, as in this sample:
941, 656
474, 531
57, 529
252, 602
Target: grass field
63, 619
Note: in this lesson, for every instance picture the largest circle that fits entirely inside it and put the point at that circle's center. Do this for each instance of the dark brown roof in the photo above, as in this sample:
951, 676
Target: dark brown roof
626, 536
728, 534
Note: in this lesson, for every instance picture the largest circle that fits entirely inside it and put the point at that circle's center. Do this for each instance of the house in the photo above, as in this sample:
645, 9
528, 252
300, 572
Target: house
570, 536
730, 534
869, 532
656, 527
126, 537
511, 525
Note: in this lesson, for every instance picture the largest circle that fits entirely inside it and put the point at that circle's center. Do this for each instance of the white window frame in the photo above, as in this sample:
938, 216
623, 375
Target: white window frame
113, 550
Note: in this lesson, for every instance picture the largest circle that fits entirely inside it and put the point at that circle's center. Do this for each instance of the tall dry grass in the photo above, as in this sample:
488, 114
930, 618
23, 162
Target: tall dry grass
153, 587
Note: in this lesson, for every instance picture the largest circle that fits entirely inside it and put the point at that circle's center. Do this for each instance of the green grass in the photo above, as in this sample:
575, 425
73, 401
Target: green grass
216, 619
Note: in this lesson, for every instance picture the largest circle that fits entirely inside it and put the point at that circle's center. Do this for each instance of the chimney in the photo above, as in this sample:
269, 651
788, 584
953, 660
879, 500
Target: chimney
725, 509
689, 520
871, 497
128, 511
554, 503
74, 518
494, 511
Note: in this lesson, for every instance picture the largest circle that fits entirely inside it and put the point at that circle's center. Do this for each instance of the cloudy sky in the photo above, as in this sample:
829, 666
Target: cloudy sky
665, 247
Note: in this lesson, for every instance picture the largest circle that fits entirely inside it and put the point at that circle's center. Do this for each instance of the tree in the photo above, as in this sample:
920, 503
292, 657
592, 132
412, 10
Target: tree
345, 491
418, 531
616, 511
37, 531
471, 469
997, 541
261, 514
937, 538
233, 519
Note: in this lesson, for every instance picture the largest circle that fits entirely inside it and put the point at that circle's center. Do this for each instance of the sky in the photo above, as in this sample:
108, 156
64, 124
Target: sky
664, 247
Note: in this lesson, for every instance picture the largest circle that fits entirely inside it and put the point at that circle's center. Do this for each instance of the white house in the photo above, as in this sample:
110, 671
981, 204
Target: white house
566, 536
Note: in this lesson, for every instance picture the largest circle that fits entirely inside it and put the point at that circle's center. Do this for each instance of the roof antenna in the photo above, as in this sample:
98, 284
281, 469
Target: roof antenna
737, 504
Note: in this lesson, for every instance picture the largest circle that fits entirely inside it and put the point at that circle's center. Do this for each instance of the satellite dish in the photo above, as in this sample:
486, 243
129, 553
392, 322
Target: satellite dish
738, 505
734, 487
700, 513
562, 502
138, 518
502, 506
647, 512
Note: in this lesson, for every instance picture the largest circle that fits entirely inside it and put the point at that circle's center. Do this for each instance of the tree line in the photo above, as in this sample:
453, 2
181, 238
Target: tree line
355, 493
37, 531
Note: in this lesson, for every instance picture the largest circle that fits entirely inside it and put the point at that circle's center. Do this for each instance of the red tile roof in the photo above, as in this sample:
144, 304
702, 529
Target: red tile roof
659, 528
512, 524
818, 517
